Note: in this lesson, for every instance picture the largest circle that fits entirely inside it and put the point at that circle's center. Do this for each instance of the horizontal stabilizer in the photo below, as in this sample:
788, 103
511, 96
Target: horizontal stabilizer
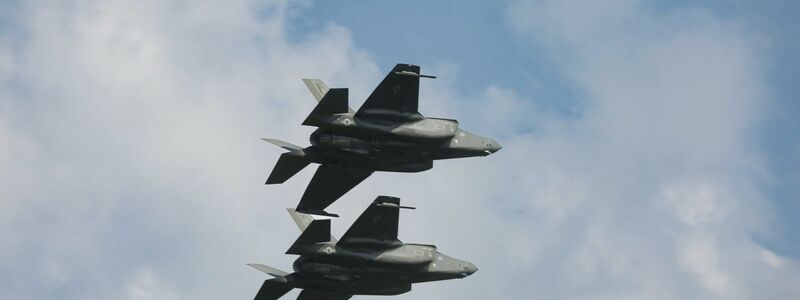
318, 231
288, 165
285, 145
273, 289
269, 270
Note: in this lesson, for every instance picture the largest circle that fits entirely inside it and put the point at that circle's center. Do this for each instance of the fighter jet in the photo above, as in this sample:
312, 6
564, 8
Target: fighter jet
367, 260
386, 134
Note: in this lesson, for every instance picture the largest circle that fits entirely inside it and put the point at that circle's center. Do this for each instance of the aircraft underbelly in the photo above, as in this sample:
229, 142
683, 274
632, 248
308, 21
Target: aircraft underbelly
385, 159
362, 283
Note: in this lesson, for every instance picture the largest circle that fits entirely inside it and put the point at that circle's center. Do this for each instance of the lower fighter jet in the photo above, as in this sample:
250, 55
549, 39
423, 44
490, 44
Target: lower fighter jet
367, 260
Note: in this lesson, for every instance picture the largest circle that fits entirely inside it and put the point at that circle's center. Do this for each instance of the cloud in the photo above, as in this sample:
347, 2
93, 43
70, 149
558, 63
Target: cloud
145, 287
653, 190
131, 165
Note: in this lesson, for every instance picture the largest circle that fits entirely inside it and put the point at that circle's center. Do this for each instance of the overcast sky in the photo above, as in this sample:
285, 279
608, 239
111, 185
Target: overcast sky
651, 149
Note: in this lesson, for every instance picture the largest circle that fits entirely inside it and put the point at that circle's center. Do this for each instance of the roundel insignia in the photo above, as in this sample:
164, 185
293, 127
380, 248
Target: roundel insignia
347, 122
328, 250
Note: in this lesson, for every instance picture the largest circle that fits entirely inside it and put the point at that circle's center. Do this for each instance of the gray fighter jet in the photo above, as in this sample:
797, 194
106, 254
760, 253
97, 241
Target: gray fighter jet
367, 260
386, 134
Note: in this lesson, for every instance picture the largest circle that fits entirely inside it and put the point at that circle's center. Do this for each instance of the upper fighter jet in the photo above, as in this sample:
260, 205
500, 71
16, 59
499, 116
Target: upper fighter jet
386, 134
367, 260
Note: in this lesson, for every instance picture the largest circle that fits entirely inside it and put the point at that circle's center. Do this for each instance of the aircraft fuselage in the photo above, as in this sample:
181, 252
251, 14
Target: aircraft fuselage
378, 272
409, 146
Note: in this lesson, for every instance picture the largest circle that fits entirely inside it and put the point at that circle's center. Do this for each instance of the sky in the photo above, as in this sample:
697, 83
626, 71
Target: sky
650, 149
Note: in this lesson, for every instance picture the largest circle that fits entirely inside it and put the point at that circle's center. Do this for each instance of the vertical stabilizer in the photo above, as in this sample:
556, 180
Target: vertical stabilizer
303, 220
319, 89
334, 102
316, 87
319, 231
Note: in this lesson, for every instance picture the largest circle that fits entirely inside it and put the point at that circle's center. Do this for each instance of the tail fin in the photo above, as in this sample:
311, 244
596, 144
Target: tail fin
334, 102
319, 89
317, 232
316, 87
273, 289
289, 164
303, 220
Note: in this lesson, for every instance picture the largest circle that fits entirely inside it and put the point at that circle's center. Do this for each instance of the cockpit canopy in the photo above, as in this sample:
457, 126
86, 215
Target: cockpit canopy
428, 128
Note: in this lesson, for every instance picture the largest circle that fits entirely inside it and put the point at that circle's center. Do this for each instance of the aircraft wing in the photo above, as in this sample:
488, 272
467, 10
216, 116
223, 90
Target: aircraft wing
377, 224
397, 94
320, 295
327, 185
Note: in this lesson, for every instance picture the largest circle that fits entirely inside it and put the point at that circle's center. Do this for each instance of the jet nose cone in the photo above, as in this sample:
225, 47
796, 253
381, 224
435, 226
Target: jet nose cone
492, 146
469, 269
472, 269
495, 147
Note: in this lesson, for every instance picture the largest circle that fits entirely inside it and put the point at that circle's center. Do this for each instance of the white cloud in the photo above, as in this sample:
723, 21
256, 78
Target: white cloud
130, 140
131, 165
659, 180
144, 286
